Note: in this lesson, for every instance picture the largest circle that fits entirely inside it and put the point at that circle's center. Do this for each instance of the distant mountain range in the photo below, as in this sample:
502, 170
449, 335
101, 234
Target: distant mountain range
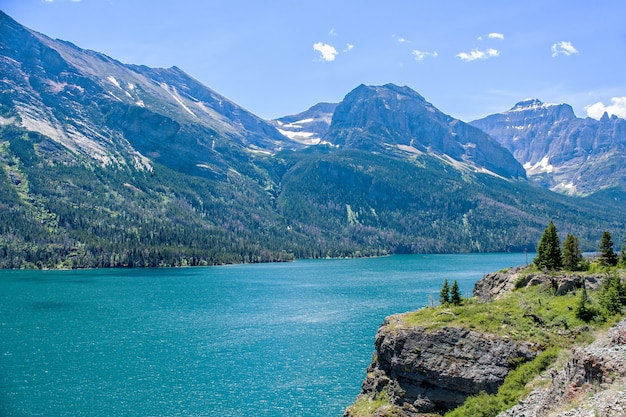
108, 164
559, 150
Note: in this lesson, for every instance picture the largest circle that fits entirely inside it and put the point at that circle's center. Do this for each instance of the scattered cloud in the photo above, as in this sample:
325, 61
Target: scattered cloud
328, 52
617, 108
332, 32
421, 55
496, 35
477, 54
400, 39
563, 48
349, 47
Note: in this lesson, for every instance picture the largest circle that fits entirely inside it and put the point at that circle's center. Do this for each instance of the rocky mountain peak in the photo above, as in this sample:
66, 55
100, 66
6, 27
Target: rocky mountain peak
559, 150
397, 119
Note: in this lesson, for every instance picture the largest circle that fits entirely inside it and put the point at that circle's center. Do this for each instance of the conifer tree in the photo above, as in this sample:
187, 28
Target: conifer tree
549, 249
572, 255
455, 294
583, 310
444, 294
607, 256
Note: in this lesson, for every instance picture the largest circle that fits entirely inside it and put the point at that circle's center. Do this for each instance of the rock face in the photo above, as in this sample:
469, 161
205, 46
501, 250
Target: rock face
424, 371
122, 114
308, 127
498, 284
590, 384
397, 119
559, 150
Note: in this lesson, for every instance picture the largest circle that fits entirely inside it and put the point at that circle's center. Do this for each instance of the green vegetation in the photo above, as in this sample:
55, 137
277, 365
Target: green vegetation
572, 255
527, 314
530, 314
450, 295
455, 294
444, 294
607, 256
61, 210
549, 250
364, 406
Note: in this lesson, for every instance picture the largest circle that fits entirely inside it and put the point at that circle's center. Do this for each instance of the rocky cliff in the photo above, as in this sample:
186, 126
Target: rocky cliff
591, 383
430, 368
496, 285
423, 371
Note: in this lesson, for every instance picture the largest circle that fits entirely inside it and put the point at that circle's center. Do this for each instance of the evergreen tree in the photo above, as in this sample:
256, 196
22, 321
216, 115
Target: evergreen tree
455, 294
549, 249
607, 256
444, 294
572, 255
612, 295
583, 310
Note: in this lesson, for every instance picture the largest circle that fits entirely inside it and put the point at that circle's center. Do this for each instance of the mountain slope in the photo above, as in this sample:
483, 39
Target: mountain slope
104, 164
559, 150
308, 127
397, 119
111, 112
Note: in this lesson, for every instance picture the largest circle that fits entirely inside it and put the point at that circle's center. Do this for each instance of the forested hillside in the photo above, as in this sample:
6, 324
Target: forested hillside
62, 211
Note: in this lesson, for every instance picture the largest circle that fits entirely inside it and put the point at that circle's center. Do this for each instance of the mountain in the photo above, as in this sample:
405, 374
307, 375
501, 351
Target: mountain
116, 113
559, 150
308, 127
379, 118
105, 164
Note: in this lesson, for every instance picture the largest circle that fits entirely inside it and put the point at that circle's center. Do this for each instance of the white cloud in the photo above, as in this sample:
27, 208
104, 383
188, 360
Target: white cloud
476, 54
496, 35
617, 108
332, 32
400, 39
563, 48
327, 51
349, 47
421, 55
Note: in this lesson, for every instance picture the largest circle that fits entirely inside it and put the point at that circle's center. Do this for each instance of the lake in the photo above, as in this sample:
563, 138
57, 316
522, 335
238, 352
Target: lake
273, 340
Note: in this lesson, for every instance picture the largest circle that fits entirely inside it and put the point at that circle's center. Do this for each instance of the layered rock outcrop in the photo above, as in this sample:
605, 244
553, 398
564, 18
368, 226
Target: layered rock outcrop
434, 370
417, 370
496, 285
591, 383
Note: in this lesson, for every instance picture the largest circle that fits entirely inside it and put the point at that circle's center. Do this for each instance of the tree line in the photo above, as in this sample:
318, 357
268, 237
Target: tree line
550, 256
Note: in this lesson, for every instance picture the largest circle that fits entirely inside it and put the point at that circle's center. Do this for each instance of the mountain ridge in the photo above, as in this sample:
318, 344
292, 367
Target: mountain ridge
105, 164
559, 150
401, 118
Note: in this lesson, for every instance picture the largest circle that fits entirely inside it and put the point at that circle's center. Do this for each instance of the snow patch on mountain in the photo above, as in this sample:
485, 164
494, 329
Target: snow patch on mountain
530, 104
114, 81
542, 165
172, 92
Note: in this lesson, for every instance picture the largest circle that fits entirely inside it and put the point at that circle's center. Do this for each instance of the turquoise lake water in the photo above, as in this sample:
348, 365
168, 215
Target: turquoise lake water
272, 340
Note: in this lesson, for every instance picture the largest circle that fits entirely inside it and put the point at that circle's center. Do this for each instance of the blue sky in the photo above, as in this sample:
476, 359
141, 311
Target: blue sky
276, 58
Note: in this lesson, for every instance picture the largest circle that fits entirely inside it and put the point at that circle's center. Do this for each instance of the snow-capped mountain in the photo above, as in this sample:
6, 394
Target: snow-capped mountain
559, 150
